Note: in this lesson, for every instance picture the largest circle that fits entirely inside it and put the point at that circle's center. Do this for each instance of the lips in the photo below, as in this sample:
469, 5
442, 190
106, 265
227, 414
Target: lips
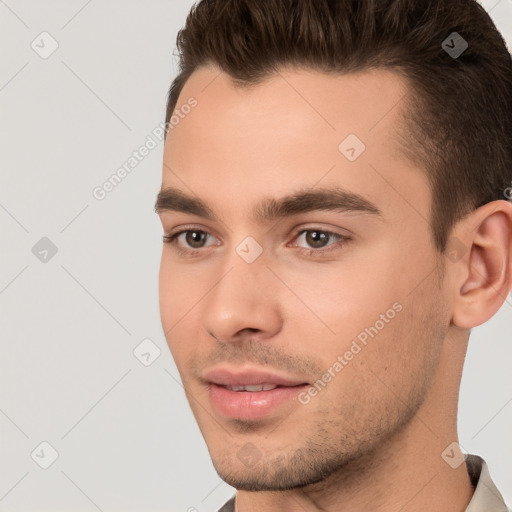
250, 394
224, 377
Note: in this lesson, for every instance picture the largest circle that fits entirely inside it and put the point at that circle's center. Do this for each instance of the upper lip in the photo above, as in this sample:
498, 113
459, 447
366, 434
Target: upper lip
248, 377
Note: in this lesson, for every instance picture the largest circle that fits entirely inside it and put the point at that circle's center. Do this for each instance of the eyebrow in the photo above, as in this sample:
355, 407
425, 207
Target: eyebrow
269, 209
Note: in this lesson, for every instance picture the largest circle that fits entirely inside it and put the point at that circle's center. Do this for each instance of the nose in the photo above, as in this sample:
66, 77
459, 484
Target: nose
243, 303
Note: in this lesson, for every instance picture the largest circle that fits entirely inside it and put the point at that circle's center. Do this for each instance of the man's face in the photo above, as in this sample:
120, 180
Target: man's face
349, 324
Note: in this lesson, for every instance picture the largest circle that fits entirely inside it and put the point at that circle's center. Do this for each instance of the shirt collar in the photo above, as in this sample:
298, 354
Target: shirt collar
486, 497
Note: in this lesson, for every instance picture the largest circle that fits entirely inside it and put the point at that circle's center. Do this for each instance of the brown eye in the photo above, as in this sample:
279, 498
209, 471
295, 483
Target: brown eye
189, 242
195, 239
316, 239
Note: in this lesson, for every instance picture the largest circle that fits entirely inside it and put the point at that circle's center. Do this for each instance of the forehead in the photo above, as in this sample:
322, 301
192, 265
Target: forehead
294, 101
298, 128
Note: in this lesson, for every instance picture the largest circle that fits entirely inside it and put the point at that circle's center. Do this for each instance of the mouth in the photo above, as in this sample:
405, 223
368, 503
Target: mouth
250, 394
252, 402
255, 388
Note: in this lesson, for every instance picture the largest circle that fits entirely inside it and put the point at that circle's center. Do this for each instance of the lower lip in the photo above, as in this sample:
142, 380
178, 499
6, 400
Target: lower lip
250, 405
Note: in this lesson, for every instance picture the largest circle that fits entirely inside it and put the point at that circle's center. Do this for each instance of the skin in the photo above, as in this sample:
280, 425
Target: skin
372, 439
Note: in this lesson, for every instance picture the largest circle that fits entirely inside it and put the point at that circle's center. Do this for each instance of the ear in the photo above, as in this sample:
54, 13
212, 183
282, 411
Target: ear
483, 278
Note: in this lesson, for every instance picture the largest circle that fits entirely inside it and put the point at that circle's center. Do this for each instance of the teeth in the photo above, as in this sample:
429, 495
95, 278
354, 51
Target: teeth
254, 387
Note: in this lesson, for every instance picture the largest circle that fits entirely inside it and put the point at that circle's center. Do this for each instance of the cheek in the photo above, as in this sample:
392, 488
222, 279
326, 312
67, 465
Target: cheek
364, 289
342, 299
167, 294
180, 289
366, 383
179, 293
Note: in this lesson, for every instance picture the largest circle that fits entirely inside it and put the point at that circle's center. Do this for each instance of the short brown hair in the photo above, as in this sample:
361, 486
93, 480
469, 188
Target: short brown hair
458, 111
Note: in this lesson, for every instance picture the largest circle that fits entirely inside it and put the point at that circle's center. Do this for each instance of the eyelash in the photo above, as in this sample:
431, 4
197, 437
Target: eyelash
172, 239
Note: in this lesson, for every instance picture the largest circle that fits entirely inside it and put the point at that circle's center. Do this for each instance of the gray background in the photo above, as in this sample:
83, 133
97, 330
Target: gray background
125, 437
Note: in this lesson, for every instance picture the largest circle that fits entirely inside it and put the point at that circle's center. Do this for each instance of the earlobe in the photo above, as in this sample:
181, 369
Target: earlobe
487, 275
